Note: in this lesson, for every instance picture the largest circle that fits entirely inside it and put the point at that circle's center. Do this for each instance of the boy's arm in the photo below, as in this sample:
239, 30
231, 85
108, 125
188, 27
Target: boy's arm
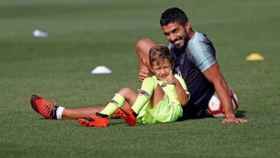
181, 90
183, 96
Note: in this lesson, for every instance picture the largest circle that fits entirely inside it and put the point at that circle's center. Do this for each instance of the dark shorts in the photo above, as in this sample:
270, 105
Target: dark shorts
193, 111
199, 110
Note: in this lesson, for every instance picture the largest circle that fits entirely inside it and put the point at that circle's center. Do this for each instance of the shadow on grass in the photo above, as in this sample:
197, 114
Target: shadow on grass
241, 113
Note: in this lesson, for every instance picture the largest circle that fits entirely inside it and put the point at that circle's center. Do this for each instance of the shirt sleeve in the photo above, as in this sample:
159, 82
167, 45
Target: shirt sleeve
202, 52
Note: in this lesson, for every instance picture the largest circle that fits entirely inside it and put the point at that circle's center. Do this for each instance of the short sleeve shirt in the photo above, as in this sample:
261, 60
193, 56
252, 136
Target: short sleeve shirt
201, 51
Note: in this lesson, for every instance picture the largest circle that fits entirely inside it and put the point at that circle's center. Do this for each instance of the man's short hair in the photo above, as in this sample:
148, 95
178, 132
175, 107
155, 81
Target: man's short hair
172, 15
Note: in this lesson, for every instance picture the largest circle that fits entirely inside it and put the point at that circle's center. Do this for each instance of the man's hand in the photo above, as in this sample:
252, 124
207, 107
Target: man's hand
143, 72
234, 120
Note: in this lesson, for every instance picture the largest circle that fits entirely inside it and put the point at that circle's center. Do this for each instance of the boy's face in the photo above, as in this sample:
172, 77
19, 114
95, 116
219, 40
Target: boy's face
161, 68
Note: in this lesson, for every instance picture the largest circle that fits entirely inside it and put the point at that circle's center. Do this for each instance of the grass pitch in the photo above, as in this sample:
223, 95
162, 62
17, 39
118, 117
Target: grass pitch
84, 34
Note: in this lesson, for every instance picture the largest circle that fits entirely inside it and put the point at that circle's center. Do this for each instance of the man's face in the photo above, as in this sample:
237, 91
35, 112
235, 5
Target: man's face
175, 33
161, 68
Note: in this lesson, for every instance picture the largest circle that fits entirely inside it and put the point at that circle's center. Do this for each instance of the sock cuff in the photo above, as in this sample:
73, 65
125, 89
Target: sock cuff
118, 99
59, 112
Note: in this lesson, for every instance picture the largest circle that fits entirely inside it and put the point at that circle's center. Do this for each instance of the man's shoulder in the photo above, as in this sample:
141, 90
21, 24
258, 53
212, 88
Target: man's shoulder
201, 50
197, 40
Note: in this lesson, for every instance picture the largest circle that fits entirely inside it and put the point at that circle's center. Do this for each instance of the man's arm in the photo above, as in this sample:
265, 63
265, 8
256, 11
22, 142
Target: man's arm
214, 75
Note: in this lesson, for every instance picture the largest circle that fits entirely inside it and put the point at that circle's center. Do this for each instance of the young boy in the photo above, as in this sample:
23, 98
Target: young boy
158, 101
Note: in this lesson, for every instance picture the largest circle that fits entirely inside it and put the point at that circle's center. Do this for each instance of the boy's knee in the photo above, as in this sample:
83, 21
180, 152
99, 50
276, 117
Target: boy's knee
125, 91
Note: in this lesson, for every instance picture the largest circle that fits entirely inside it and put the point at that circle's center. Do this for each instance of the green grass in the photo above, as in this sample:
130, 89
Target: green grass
84, 34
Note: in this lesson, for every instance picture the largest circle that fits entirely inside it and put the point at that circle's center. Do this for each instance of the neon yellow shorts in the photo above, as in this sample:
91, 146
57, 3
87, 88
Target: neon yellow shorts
165, 111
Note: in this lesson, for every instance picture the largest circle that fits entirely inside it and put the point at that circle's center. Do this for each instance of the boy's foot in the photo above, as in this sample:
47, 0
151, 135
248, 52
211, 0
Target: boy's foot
95, 120
44, 107
117, 114
128, 116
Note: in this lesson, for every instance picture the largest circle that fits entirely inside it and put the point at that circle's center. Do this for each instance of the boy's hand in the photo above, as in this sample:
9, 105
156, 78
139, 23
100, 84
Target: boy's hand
170, 79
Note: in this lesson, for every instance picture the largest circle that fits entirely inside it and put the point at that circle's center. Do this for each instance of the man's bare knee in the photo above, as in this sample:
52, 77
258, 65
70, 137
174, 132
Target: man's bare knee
144, 45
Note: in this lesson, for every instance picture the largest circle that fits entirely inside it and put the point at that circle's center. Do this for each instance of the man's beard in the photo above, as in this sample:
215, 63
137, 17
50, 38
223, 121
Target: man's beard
183, 46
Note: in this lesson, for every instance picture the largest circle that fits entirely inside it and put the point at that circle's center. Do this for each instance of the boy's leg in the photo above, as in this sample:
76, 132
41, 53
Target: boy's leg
163, 109
157, 96
145, 94
125, 95
128, 94
101, 115
119, 100
76, 113
128, 115
50, 110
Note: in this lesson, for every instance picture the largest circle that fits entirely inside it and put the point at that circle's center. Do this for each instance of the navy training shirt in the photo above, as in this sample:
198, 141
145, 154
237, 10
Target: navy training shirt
197, 56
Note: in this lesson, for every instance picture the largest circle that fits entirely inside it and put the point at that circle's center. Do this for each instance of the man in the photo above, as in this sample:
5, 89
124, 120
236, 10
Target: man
195, 61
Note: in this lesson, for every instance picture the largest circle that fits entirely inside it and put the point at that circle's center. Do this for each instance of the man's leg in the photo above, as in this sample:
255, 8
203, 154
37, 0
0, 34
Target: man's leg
143, 47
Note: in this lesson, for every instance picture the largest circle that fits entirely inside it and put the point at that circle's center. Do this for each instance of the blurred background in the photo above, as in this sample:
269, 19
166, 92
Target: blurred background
87, 33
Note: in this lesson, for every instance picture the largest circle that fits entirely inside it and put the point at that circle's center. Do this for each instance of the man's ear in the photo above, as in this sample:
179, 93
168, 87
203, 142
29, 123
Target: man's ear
188, 26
